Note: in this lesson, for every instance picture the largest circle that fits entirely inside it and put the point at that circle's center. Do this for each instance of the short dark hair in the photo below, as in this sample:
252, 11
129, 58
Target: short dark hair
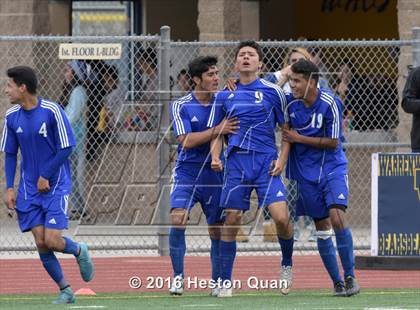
182, 72
307, 68
252, 44
24, 75
200, 65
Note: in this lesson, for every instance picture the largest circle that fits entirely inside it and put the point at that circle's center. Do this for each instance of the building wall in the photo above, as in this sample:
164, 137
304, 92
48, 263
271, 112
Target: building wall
328, 19
181, 16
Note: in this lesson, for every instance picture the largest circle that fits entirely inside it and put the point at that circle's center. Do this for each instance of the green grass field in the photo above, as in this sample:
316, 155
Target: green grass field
313, 299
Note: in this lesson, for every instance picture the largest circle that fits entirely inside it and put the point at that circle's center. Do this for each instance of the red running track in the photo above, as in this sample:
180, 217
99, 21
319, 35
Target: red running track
27, 276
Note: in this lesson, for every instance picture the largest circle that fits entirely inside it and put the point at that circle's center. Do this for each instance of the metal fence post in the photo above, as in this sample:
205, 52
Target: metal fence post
416, 47
164, 148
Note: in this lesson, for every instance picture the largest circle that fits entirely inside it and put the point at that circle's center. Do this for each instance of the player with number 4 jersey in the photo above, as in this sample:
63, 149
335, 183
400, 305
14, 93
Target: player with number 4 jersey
41, 131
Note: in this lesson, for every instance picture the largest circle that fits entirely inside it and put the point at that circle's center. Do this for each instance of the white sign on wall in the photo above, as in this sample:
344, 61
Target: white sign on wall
90, 51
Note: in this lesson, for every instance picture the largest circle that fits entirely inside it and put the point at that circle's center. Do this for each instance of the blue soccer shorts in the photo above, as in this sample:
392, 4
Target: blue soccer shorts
247, 170
47, 211
315, 200
193, 184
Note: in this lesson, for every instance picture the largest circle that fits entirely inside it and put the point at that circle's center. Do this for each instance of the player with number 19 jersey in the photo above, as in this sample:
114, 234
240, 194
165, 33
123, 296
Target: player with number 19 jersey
319, 172
322, 119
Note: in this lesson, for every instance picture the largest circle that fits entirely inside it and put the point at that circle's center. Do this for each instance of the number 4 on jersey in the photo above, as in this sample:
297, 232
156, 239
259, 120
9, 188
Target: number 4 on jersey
43, 130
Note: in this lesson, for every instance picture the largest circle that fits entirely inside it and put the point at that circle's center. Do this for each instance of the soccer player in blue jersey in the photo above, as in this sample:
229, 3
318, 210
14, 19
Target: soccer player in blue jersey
252, 161
194, 180
318, 164
42, 132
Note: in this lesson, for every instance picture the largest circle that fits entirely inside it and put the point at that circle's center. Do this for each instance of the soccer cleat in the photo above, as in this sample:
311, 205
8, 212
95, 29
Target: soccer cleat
177, 286
225, 292
85, 263
66, 297
352, 287
215, 292
286, 279
339, 289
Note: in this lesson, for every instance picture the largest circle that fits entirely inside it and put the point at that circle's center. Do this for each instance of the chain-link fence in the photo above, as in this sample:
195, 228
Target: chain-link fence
125, 150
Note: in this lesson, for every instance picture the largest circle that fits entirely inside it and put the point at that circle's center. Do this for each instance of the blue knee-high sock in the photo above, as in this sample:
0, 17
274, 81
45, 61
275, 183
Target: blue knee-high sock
177, 250
215, 259
329, 258
286, 246
71, 247
345, 250
227, 258
52, 266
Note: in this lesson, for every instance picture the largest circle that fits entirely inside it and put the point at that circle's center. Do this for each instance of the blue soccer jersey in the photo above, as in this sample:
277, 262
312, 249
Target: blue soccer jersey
38, 133
259, 107
193, 179
189, 115
323, 119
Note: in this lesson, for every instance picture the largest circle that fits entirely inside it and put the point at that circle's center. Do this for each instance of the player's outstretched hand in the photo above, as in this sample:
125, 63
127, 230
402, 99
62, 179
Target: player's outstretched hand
43, 185
276, 168
290, 135
228, 126
231, 84
10, 198
217, 165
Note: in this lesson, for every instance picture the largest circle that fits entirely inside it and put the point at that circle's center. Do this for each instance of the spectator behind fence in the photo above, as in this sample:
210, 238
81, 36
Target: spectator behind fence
316, 58
74, 101
349, 79
113, 101
145, 116
370, 100
96, 92
411, 104
147, 81
184, 83
281, 77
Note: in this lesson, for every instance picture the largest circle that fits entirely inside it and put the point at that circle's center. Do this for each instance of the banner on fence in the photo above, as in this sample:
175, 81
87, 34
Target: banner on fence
395, 204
